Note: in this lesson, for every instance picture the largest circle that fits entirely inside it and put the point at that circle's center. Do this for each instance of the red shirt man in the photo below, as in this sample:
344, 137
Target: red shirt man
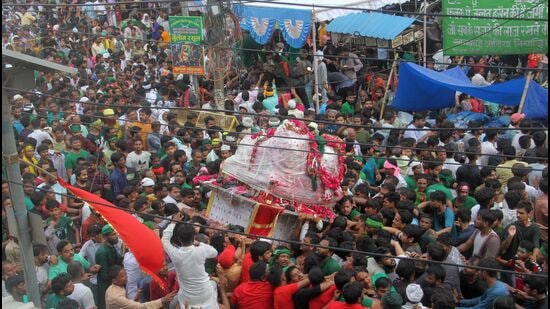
172, 285
291, 281
353, 293
320, 301
259, 251
256, 293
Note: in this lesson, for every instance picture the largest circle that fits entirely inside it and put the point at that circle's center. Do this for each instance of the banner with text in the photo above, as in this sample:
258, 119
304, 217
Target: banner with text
486, 36
185, 37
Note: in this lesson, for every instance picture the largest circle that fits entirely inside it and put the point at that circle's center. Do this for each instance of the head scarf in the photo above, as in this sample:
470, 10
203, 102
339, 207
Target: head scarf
278, 252
373, 223
396, 170
31, 162
412, 166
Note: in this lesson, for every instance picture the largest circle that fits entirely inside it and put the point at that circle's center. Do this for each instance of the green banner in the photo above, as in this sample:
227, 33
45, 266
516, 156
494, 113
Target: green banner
464, 36
186, 34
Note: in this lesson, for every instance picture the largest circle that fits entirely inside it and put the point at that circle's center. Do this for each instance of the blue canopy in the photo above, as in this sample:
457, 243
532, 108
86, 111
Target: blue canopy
422, 89
374, 25
295, 24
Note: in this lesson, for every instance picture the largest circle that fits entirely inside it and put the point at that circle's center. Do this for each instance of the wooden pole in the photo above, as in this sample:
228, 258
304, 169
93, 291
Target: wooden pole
425, 39
525, 88
395, 57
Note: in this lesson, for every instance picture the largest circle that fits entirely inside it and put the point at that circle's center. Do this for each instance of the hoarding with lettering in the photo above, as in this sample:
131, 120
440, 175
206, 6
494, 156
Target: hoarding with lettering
495, 33
186, 35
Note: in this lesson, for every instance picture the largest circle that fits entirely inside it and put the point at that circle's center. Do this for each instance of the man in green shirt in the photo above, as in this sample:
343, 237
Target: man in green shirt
363, 135
106, 256
348, 108
439, 187
28, 190
62, 286
67, 255
328, 264
463, 200
75, 153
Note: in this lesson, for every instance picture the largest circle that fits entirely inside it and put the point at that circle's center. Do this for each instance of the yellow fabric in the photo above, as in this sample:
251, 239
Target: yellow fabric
504, 171
165, 37
29, 162
145, 130
27, 19
322, 34
109, 44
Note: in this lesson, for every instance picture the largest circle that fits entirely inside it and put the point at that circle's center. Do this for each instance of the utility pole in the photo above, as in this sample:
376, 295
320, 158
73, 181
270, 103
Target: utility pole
215, 19
9, 153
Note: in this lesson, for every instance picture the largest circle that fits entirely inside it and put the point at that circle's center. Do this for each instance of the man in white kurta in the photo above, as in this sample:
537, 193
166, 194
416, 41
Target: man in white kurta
196, 288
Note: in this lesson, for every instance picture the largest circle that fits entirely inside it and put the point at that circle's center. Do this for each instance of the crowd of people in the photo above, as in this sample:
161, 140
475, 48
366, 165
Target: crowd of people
433, 215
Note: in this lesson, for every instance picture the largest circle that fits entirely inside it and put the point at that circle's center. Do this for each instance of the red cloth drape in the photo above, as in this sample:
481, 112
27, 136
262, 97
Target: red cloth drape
264, 219
142, 241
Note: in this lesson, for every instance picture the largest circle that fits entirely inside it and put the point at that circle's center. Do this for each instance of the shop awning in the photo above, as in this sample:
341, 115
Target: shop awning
328, 9
374, 25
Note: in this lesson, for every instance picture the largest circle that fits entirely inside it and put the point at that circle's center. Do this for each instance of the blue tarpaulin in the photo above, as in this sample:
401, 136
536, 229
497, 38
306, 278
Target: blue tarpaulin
422, 89
374, 25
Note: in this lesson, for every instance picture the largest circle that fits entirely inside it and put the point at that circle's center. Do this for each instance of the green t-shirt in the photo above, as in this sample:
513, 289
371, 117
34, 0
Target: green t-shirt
28, 203
439, 187
347, 109
380, 162
71, 157
330, 266
381, 275
53, 300
185, 185
411, 182
63, 228
61, 266
468, 203
363, 136
105, 170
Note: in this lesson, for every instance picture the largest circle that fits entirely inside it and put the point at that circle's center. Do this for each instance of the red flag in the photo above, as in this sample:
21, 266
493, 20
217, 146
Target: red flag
142, 241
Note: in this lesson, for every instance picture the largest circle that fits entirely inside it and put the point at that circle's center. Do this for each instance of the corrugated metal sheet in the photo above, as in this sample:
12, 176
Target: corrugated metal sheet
374, 25
329, 9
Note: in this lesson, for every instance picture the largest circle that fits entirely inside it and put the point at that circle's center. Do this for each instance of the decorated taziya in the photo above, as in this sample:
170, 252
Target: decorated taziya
291, 162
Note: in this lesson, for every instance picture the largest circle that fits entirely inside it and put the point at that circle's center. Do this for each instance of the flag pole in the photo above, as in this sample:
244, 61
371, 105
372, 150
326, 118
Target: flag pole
525, 89
392, 71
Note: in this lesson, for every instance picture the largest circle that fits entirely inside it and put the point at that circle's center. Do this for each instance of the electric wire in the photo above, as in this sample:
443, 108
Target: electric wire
334, 249
316, 6
297, 53
424, 161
